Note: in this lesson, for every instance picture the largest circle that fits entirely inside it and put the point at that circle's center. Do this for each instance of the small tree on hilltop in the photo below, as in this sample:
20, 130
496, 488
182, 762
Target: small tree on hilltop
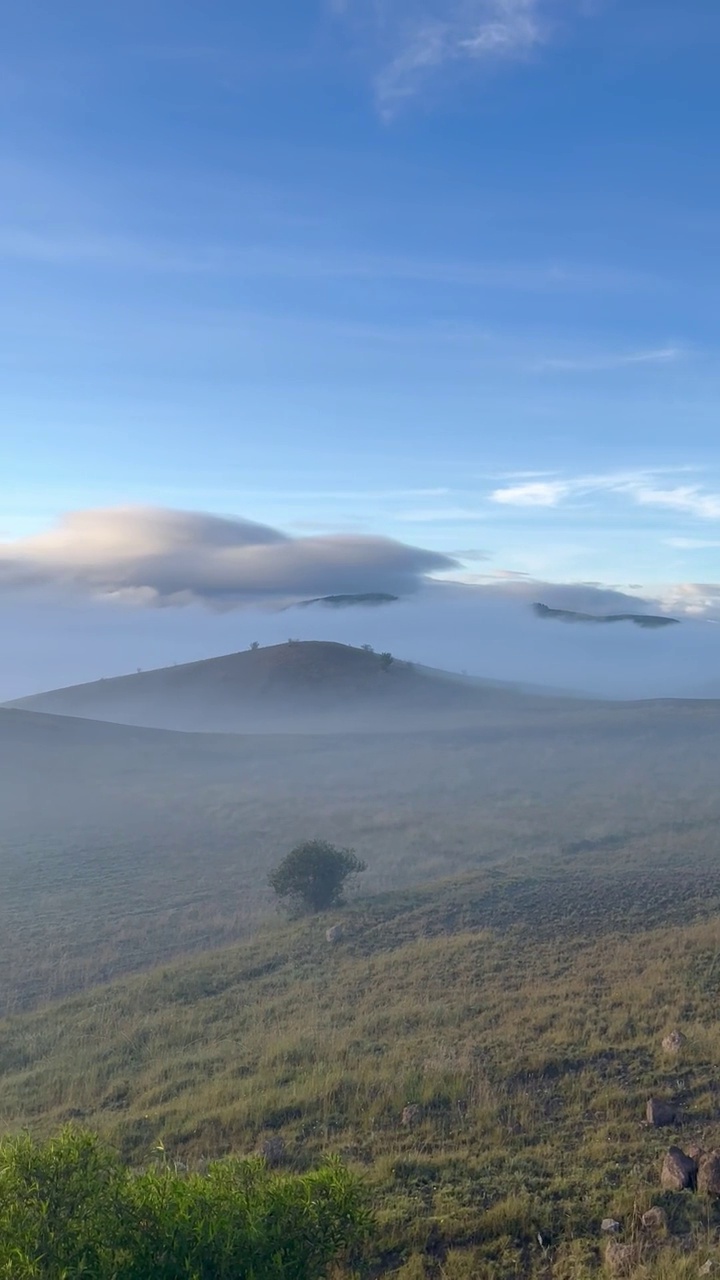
255, 646
386, 661
313, 876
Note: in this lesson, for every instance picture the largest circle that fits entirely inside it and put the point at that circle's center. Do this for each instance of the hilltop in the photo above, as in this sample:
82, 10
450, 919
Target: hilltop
648, 621
301, 685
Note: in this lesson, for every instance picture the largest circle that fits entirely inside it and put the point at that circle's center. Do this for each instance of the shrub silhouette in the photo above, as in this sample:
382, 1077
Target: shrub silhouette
313, 875
386, 661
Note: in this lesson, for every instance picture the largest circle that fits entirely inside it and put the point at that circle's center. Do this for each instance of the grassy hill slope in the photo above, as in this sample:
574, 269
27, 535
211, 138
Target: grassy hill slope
523, 1018
300, 686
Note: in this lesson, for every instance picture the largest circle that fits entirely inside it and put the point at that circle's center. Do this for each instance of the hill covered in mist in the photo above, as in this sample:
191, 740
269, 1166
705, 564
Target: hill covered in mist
301, 686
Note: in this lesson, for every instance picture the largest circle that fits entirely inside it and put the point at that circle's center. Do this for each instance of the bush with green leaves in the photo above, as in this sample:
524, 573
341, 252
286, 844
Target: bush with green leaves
70, 1209
313, 876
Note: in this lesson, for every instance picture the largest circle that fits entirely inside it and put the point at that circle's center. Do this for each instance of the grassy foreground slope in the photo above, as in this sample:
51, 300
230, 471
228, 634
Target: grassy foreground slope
523, 1020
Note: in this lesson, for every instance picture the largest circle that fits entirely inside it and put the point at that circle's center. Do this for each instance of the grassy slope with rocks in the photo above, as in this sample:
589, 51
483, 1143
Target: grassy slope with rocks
523, 1016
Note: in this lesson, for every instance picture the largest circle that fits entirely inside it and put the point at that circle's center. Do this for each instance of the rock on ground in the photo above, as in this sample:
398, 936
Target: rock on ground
659, 1113
610, 1224
673, 1041
334, 933
679, 1171
708, 1177
654, 1218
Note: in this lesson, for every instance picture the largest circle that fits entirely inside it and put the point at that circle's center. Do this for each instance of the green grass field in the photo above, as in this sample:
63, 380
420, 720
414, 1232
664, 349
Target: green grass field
522, 1015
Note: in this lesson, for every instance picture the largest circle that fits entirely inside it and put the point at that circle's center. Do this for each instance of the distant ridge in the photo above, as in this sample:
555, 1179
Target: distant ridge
300, 686
345, 602
647, 620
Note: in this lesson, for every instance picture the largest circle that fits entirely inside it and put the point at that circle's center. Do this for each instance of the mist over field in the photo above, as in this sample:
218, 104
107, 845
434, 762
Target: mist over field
454, 628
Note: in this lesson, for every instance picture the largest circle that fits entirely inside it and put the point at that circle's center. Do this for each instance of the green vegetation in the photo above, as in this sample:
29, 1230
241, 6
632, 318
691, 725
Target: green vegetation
312, 877
70, 1208
520, 1018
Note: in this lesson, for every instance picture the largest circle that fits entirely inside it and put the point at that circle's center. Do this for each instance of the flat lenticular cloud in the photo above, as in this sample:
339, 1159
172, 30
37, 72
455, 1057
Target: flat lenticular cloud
155, 556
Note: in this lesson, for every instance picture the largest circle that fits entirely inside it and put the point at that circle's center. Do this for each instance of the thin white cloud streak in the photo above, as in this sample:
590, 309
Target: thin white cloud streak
692, 544
609, 361
439, 515
688, 499
536, 493
641, 488
49, 246
416, 41
478, 32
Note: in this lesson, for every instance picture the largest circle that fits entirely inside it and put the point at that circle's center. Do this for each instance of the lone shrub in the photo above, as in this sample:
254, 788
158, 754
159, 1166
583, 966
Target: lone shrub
313, 875
386, 661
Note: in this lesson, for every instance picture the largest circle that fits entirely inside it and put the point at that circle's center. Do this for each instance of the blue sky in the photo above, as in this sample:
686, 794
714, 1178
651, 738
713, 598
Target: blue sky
443, 271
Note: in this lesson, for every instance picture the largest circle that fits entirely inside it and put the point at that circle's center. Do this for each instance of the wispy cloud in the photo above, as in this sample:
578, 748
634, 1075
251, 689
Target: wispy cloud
90, 247
438, 515
417, 38
692, 544
643, 488
610, 360
689, 499
536, 493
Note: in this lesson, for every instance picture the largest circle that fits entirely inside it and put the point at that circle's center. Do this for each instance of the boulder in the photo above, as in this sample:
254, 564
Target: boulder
610, 1224
412, 1115
673, 1042
620, 1258
679, 1171
660, 1114
654, 1219
334, 933
708, 1175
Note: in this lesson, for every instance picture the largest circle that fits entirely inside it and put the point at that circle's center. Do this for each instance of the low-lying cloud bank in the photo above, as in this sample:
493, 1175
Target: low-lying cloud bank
61, 623
154, 556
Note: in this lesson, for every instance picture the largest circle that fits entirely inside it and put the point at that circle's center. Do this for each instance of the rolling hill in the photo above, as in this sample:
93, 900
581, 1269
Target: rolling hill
299, 686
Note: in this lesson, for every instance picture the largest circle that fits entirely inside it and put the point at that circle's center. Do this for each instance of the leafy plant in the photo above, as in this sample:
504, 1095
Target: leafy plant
70, 1208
